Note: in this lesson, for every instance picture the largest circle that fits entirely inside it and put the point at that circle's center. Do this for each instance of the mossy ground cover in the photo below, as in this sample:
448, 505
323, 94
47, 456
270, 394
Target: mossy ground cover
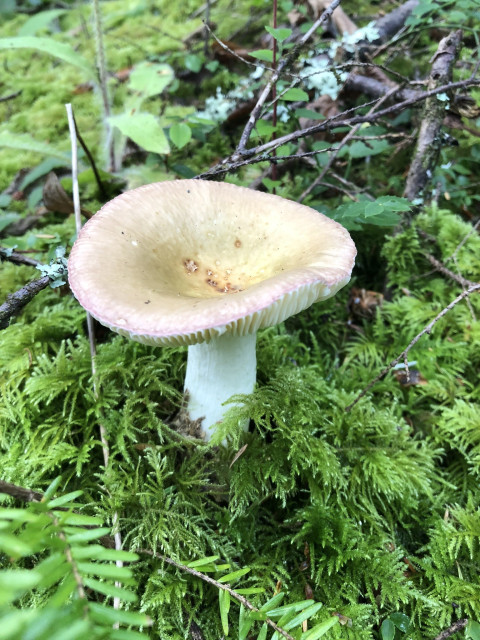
372, 512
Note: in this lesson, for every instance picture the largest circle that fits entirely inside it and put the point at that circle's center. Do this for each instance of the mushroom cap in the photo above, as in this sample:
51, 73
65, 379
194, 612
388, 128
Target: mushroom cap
184, 261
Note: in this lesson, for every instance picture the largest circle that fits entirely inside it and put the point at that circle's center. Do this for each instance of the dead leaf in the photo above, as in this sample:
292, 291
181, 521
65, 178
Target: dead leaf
342, 22
363, 303
237, 455
55, 197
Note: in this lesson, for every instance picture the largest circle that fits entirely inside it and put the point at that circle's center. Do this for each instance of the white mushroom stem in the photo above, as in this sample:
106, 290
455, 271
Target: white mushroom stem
217, 370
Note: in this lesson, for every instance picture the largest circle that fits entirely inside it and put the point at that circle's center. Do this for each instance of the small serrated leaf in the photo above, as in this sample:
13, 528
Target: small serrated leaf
263, 54
180, 134
144, 129
295, 95
279, 34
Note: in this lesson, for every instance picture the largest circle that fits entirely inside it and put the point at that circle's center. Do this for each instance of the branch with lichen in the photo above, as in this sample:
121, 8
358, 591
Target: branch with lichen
16, 301
428, 143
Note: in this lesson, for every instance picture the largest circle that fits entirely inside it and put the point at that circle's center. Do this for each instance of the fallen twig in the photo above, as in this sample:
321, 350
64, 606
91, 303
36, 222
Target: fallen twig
246, 603
257, 154
454, 276
16, 301
403, 355
456, 626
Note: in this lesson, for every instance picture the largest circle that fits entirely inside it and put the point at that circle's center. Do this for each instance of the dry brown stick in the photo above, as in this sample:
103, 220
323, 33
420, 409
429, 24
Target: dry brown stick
456, 626
285, 62
16, 301
20, 493
403, 355
246, 603
428, 146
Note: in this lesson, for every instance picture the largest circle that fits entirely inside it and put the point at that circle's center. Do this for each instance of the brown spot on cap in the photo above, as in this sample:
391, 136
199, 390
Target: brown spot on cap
238, 243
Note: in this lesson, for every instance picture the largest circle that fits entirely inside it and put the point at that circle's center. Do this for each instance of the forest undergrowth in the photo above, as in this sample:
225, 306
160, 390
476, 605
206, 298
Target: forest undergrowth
346, 511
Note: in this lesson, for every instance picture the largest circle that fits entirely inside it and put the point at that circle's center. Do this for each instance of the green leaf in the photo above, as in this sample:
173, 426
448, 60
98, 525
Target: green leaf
280, 34
320, 629
224, 602
308, 113
144, 129
199, 563
244, 623
287, 608
250, 590
264, 128
24, 142
295, 95
56, 49
88, 534
272, 603
304, 615
400, 620
266, 55
111, 590
150, 78
39, 21
372, 209
126, 634
234, 575
473, 630
359, 149
193, 62
180, 134
14, 583
111, 616
263, 632
387, 630
12, 545
105, 570
68, 497
97, 552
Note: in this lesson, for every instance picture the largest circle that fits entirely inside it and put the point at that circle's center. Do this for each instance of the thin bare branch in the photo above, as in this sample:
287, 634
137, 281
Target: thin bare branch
453, 628
402, 356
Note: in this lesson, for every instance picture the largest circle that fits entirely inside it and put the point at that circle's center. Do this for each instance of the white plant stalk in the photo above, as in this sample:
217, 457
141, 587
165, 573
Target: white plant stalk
217, 370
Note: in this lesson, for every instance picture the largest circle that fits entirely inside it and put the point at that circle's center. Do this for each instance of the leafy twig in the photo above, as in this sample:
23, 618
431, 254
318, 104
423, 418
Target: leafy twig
285, 62
248, 156
246, 603
344, 141
403, 355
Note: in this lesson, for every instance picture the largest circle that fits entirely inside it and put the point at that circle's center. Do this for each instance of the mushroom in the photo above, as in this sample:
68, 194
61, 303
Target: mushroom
206, 264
